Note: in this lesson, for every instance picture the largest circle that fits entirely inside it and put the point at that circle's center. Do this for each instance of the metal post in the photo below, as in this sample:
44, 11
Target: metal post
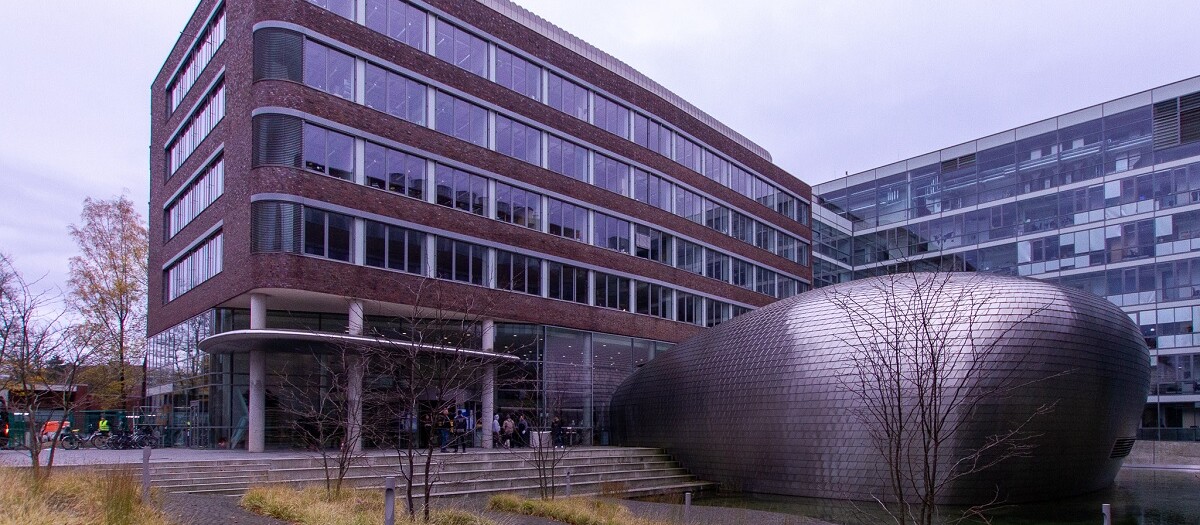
1106, 510
568, 487
687, 506
389, 501
146, 476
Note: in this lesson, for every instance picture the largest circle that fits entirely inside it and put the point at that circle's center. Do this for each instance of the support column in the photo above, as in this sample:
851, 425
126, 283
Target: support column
488, 388
354, 381
256, 434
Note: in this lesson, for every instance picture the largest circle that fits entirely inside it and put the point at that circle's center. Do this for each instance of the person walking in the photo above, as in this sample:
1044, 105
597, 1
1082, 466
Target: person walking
522, 431
460, 432
496, 439
556, 432
443, 427
508, 431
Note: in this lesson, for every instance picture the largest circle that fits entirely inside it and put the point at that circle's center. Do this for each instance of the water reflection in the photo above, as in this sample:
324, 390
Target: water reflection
1139, 496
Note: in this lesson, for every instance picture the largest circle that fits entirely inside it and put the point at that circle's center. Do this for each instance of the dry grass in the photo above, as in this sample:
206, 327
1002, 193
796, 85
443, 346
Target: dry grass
74, 497
576, 511
313, 506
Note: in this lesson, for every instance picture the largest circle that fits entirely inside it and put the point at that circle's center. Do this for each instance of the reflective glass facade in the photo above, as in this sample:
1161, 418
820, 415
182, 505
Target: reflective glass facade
1106, 199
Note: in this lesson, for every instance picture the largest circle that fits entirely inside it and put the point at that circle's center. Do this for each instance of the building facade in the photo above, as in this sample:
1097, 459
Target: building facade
341, 168
1106, 199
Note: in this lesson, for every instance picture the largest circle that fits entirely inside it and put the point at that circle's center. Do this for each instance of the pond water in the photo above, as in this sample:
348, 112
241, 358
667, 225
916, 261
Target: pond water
1139, 496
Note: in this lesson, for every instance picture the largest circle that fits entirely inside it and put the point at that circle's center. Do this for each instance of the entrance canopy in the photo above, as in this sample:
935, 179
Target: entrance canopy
273, 340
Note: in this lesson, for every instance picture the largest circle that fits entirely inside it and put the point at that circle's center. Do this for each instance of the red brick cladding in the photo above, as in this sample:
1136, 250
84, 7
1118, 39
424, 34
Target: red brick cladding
244, 272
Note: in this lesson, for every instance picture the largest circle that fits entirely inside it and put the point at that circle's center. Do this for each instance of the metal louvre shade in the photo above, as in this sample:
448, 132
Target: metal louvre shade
761, 403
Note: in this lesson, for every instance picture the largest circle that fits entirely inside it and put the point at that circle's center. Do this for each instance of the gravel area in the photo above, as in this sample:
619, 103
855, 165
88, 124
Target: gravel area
196, 509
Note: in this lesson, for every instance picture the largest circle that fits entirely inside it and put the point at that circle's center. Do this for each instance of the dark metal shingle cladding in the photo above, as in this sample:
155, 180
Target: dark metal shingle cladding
762, 403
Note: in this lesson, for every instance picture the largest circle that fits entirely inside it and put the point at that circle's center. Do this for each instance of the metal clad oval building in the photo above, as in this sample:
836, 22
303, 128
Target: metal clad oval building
785, 400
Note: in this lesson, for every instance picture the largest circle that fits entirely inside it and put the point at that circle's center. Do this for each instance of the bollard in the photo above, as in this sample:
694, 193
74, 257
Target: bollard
1106, 510
568, 491
146, 476
389, 501
687, 506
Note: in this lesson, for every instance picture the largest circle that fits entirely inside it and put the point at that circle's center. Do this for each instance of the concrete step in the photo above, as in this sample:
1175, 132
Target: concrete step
594, 470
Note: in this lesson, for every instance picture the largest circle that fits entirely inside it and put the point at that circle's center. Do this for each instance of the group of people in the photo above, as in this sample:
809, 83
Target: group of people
515, 434
450, 431
455, 431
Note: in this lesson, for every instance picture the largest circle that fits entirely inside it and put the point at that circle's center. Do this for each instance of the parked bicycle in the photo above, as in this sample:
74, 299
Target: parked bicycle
97, 439
124, 439
70, 440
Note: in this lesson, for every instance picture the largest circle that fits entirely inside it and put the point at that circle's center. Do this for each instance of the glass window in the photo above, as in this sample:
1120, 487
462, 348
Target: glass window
328, 152
652, 244
567, 220
568, 283
328, 70
610, 174
567, 158
764, 237
611, 117
742, 273
653, 299
327, 234
716, 216
689, 256
518, 206
518, 74
342, 8
716, 312
394, 248
652, 189
612, 233
567, 96
741, 181
612, 291
459, 118
458, 47
398, 20
764, 281
716, 167
460, 261
518, 140
741, 227
518, 273
717, 266
687, 153
394, 171
689, 205
688, 308
651, 134
460, 189
396, 95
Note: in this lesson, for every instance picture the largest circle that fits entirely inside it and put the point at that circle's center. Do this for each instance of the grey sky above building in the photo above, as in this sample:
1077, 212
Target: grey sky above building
826, 87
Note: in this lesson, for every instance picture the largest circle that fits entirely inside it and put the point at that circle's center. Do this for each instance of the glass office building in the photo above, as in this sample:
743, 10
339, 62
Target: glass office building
1106, 199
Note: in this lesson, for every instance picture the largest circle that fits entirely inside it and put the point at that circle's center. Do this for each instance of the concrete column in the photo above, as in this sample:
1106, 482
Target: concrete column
256, 435
488, 385
354, 381
354, 393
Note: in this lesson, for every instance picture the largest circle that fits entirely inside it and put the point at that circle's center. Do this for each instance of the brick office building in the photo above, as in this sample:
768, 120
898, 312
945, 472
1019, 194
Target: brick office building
314, 165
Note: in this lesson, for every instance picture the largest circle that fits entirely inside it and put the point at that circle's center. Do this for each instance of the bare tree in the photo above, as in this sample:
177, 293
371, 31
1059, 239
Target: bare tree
922, 366
40, 359
109, 281
547, 450
318, 403
422, 362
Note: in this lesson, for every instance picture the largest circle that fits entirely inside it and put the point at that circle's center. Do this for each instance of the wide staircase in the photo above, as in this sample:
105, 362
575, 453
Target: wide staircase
612, 471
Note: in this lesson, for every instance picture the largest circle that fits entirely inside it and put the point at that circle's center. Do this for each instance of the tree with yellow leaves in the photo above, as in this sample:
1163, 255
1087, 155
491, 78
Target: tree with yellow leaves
108, 284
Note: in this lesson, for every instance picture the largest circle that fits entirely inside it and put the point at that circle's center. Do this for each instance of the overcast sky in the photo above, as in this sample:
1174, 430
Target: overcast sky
826, 87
